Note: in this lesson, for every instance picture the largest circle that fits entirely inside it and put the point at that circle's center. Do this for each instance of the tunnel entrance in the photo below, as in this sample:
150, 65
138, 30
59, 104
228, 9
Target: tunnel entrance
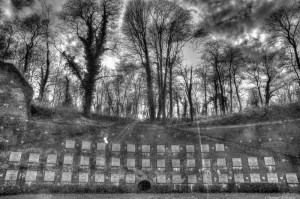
144, 185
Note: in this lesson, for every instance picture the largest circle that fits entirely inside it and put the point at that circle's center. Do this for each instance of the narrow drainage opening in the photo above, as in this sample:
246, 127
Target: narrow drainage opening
144, 185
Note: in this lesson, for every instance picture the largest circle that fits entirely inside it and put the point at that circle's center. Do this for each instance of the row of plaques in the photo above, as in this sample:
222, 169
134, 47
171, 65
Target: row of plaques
86, 145
49, 176
101, 161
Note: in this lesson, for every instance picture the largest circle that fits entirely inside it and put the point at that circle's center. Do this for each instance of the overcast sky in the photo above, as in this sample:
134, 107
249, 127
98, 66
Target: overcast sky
230, 19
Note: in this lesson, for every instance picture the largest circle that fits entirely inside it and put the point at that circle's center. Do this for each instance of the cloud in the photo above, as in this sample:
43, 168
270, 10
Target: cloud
234, 17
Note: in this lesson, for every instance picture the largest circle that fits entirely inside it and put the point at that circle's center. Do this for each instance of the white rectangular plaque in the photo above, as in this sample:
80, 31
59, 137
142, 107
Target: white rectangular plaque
115, 178
239, 178
255, 177
161, 148
99, 177
145, 163
191, 163
161, 163
86, 145
70, 144
11, 175
51, 159
190, 148
220, 147
192, 179
68, 159
66, 177
176, 163
237, 162
206, 163
15, 156
291, 178
207, 179
84, 161
31, 176
272, 177
131, 148
34, 158
83, 177
101, 146
221, 162
223, 178
49, 176
161, 179
176, 179
116, 147
252, 161
269, 161
130, 178
204, 148
175, 148
146, 148
130, 162
115, 162
100, 161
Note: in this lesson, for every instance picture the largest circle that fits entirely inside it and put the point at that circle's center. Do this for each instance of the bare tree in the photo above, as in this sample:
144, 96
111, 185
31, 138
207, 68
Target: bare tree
90, 21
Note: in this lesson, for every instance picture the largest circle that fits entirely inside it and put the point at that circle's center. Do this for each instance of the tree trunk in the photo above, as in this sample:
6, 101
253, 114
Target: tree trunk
237, 94
216, 97
184, 108
230, 93
171, 91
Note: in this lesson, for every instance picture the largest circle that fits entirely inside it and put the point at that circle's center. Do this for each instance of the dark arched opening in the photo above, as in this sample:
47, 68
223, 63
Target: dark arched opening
144, 185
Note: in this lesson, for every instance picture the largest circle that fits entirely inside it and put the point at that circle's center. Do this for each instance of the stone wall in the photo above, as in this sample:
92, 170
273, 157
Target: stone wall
15, 93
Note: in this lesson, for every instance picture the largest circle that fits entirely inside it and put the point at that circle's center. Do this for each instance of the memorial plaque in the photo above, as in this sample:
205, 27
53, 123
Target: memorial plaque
99, 178
11, 175
204, 148
291, 178
116, 147
161, 163
192, 179
176, 163
130, 178
191, 163
190, 148
207, 179
83, 177
131, 148
272, 177
68, 159
34, 158
130, 162
176, 179
145, 162
223, 178
255, 177
49, 176
239, 178
221, 162
161, 179
51, 159
66, 177
206, 163
269, 161
115, 162
175, 148
161, 148
146, 148
86, 145
220, 147
84, 161
70, 144
101, 146
115, 178
15, 156
252, 161
100, 161
237, 162
31, 176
